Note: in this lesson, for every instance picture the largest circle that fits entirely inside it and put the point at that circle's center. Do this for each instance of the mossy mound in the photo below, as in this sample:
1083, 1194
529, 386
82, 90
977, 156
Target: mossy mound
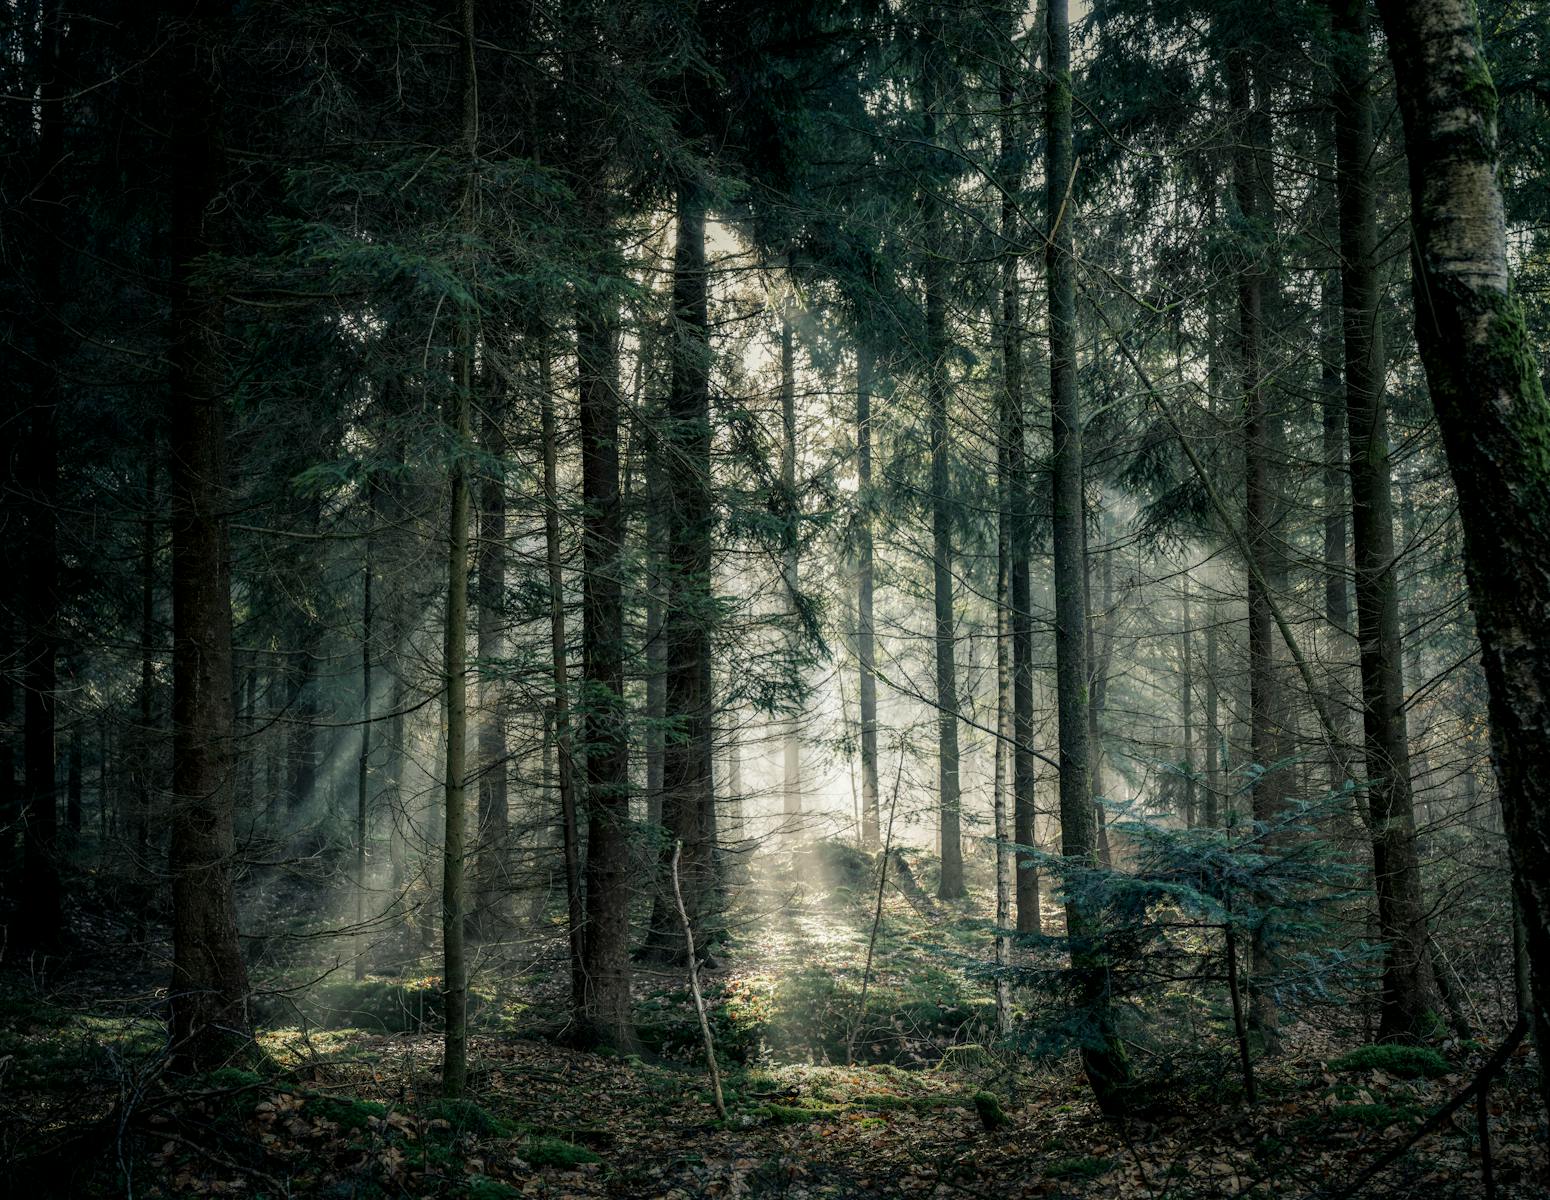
1403, 1062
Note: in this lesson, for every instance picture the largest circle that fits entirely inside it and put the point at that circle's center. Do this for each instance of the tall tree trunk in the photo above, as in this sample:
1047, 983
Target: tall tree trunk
791, 580
1406, 1007
1248, 170
208, 995
494, 864
1212, 816
559, 654
934, 273
37, 471
1009, 427
687, 799
866, 646
1019, 531
363, 763
606, 1018
454, 848
1332, 406
1495, 422
1102, 1056
656, 644
73, 783
1187, 707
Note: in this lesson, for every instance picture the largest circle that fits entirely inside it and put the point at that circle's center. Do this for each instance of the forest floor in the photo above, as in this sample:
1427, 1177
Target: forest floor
348, 1106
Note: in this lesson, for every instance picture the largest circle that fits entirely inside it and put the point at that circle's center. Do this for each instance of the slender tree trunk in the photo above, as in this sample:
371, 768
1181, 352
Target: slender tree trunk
1495, 422
1187, 707
866, 648
1212, 815
606, 1019
1337, 605
1406, 1007
559, 653
73, 784
208, 995
1248, 167
1102, 1056
37, 470
1009, 426
934, 272
454, 847
688, 800
494, 865
1019, 522
791, 740
363, 764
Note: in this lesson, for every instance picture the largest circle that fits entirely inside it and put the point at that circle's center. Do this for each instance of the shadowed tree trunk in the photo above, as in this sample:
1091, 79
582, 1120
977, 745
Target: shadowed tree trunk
687, 799
1495, 422
494, 902
454, 847
208, 995
1406, 1006
37, 476
934, 275
1102, 1055
1250, 193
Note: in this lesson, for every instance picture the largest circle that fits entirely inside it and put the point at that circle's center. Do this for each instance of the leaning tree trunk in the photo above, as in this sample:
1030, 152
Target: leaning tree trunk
1102, 1055
1495, 422
688, 809
1406, 1008
208, 995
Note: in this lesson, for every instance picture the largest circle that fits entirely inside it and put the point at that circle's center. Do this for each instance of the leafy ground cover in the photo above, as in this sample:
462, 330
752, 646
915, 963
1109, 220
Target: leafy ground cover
344, 1100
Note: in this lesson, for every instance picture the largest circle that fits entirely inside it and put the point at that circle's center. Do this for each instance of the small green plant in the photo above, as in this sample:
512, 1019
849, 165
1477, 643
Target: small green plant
1082, 1168
345, 1112
1403, 1062
1374, 1116
991, 1115
555, 1152
464, 1116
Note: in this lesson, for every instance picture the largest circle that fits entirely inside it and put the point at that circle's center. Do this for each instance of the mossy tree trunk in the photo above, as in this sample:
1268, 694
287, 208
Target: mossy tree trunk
1494, 419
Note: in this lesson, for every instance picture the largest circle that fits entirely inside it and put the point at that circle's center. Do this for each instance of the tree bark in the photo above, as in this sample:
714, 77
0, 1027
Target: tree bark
38, 476
208, 995
1102, 1056
687, 797
494, 864
1406, 1006
1495, 422
559, 654
454, 848
933, 270
1250, 193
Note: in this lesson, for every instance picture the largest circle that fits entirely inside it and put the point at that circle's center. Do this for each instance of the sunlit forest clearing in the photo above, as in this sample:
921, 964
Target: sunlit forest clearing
747, 598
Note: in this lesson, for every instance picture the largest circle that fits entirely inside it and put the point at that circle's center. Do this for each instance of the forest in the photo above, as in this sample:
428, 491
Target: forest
775, 598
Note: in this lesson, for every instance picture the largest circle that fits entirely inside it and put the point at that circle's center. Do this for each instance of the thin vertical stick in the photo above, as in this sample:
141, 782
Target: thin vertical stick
694, 986
877, 916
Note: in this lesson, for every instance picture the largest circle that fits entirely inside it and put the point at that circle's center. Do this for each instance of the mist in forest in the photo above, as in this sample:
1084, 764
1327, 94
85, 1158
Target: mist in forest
750, 599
